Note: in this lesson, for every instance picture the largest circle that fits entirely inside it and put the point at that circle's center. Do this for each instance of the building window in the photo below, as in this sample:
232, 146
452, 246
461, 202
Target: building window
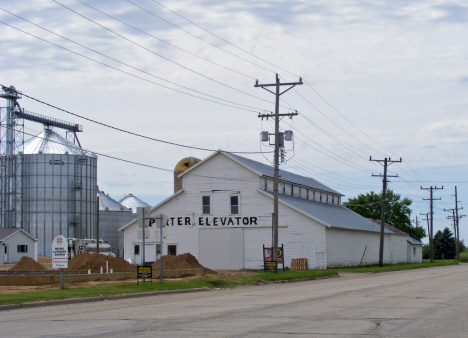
414, 251
206, 203
22, 248
172, 250
158, 248
137, 249
234, 205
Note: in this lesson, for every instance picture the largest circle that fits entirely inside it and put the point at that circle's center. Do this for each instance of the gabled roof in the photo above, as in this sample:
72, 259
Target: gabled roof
153, 208
413, 241
7, 232
268, 171
396, 231
330, 215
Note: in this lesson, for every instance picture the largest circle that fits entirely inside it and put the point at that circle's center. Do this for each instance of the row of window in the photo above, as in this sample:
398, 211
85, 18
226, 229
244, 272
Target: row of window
301, 192
171, 249
233, 205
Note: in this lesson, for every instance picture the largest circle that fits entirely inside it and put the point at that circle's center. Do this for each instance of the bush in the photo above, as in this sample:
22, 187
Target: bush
426, 251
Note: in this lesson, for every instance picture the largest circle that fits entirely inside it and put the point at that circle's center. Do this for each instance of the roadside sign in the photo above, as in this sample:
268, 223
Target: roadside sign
142, 212
271, 266
280, 254
144, 272
60, 252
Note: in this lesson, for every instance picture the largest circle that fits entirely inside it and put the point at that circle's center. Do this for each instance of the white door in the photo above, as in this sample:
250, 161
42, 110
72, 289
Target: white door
6, 254
150, 252
222, 248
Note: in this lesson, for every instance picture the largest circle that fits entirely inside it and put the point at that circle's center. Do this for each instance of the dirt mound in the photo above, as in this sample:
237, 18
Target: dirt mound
44, 260
181, 262
95, 261
27, 264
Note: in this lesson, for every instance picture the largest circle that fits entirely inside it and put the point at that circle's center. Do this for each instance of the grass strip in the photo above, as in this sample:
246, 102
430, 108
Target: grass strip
127, 288
396, 267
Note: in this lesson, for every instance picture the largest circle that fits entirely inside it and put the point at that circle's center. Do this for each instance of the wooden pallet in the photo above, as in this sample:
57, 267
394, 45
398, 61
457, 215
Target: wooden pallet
299, 264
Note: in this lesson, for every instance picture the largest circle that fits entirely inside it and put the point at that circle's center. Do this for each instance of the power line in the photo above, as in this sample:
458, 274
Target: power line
199, 38
159, 55
127, 73
126, 64
343, 160
166, 42
224, 40
243, 50
129, 132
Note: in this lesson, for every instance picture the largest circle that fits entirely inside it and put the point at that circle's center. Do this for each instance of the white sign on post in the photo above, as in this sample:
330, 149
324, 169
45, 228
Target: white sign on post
59, 252
143, 212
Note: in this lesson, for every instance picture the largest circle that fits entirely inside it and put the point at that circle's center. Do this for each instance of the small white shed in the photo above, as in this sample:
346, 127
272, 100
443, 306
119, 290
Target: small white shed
414, 250
16, 243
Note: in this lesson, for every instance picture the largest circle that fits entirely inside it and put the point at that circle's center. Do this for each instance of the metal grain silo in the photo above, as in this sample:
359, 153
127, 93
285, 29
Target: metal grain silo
59, 187
132, 202
180, 167
112, 216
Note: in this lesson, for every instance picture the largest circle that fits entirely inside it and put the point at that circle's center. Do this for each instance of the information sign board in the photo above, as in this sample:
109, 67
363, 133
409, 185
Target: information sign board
144, 272
271, 265
59, 252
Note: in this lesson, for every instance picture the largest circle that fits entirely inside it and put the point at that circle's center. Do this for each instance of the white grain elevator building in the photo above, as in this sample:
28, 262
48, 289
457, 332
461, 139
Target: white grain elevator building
222, 214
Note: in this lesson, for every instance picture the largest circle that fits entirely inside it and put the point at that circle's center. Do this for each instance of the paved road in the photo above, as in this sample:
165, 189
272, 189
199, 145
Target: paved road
418, 303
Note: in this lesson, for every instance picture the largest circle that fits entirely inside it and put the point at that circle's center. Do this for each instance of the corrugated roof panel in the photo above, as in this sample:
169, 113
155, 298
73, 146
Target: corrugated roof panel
133, 202
413, 240
107, 203
266, 170
334, 215
49, 142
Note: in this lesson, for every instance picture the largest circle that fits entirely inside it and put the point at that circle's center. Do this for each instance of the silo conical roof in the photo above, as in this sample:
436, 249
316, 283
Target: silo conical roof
107, 203
133, 202
49, 142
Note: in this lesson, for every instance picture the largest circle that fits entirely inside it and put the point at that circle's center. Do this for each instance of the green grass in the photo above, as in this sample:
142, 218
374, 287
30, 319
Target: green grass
396, 267
216, 281
464, 257
113, 289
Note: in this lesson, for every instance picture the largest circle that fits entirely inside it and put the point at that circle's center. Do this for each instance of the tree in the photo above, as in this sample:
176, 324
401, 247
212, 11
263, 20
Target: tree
397, 211
444, 243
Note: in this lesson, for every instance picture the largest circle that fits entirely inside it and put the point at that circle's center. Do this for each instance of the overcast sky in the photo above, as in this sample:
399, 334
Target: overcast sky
381, 79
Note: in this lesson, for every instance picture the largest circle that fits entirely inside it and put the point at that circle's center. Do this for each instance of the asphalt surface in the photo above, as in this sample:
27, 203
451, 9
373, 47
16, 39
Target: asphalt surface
415, 303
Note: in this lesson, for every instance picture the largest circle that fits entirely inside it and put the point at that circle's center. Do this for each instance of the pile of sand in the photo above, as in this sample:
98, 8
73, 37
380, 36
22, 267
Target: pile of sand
181, 262
27, 264
95, 261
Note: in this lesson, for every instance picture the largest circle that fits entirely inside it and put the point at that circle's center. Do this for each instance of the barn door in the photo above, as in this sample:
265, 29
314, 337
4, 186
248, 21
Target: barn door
222, 248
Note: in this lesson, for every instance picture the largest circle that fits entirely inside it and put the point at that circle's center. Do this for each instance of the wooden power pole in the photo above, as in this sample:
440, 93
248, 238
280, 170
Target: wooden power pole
431, 189
386, 163
277, 115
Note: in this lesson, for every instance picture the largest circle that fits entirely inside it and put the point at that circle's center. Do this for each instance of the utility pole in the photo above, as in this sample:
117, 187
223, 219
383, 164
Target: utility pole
457, 218
454, 228
386, 163
428, 228
277, 115
431, 189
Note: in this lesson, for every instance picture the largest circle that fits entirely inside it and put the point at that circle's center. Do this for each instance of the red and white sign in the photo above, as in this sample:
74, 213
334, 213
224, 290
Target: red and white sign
59, 252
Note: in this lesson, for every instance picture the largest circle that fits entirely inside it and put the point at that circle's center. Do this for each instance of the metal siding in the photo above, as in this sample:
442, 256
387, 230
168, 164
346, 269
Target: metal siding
222, 248
46, 198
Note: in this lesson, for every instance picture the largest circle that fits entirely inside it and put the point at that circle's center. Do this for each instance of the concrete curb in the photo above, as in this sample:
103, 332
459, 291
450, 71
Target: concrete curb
68, 301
